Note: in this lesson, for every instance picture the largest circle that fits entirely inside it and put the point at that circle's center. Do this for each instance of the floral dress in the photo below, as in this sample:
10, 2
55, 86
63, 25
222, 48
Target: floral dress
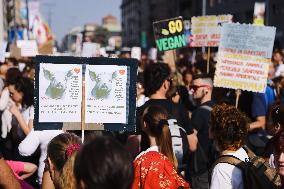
154, 170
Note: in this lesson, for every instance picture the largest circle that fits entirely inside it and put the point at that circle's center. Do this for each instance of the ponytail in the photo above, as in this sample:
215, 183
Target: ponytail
166, 148
67, 178
156, 119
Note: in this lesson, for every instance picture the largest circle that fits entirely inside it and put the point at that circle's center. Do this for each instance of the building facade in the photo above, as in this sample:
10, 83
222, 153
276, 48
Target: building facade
138, 16
242, 12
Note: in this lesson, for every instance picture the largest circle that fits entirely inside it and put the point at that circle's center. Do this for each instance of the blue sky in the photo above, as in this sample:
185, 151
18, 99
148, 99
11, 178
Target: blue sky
66, 14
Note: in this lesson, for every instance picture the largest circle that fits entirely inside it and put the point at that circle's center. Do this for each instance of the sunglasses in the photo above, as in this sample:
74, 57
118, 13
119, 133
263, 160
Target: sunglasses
195, 87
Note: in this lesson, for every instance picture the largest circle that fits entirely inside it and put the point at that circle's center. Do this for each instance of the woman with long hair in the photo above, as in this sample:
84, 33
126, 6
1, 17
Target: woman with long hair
156, 167
61, 153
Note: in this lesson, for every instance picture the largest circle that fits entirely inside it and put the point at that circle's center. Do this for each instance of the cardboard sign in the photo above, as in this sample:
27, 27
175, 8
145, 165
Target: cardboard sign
243, 58
91, 49
136, 53
206, 30
169, 34
28, 48
258, 15
110, 88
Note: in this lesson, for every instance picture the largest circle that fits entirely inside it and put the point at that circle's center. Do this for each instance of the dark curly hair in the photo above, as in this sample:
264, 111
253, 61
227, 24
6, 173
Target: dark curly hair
229, 127
154, 76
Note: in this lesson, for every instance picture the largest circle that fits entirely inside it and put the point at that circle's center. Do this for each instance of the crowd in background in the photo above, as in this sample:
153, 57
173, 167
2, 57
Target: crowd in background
183, 125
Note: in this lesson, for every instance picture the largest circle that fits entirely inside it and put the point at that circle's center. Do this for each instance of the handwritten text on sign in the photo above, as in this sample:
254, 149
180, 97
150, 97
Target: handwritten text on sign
60, 93
206, 30
169, 34
242, 61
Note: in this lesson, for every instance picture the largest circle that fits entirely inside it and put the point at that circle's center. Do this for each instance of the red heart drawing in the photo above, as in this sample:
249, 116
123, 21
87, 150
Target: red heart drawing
77, 70
121, 72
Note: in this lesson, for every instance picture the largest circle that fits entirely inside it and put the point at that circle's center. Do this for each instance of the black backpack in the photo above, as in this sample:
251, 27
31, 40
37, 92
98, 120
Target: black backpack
257, 173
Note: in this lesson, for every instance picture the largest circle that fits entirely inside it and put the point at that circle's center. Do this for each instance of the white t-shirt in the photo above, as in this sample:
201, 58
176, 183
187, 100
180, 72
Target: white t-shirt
227, 176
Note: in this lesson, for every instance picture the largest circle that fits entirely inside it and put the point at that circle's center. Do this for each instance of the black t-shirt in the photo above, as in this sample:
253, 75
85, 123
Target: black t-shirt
175, 111
200, 121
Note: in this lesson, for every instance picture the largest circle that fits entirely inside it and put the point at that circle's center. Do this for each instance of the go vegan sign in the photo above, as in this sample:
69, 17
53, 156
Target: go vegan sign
169, 34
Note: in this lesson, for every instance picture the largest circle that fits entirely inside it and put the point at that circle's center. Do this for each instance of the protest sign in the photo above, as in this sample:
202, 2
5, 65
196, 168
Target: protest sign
91, 49
244, 56
169, 34
206, 30
28, 48
60, 92
95, 91
152, 54
258, 15
136, 53
106, 93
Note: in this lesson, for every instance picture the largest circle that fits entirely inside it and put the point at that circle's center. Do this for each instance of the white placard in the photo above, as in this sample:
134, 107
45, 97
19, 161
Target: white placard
60, 92
136, 53
152, 54
28, 48
106, 94
91, 49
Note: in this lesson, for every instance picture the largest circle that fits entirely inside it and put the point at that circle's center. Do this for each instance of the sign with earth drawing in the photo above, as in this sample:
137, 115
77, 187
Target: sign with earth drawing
60, 93
105, 94
169, 34
79, 93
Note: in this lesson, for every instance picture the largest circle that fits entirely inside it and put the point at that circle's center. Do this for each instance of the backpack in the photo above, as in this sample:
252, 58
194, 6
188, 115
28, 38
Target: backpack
257, 174
179, 143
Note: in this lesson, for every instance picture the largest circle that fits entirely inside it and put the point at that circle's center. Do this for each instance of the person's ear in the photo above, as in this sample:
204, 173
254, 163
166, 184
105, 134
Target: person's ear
51, 166
145, 125
82, 184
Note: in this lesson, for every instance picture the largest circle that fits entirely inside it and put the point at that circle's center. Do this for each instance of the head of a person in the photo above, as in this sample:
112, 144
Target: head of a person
157, 78
103, 163
277, 115
278, 152
4, 69
187, 77
271, 71
155, 124
22, 91
61, 153
12, 75
202, 87
277, 57
173, 94
229, 127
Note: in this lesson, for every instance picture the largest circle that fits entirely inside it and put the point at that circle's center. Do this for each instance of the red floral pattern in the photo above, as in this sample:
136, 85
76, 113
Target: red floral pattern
154, 170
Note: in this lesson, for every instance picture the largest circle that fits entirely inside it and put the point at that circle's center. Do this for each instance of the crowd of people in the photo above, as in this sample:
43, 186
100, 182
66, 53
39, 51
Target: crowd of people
189, 134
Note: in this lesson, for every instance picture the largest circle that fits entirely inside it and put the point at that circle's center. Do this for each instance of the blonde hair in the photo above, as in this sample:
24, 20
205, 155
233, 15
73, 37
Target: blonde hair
64, 162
